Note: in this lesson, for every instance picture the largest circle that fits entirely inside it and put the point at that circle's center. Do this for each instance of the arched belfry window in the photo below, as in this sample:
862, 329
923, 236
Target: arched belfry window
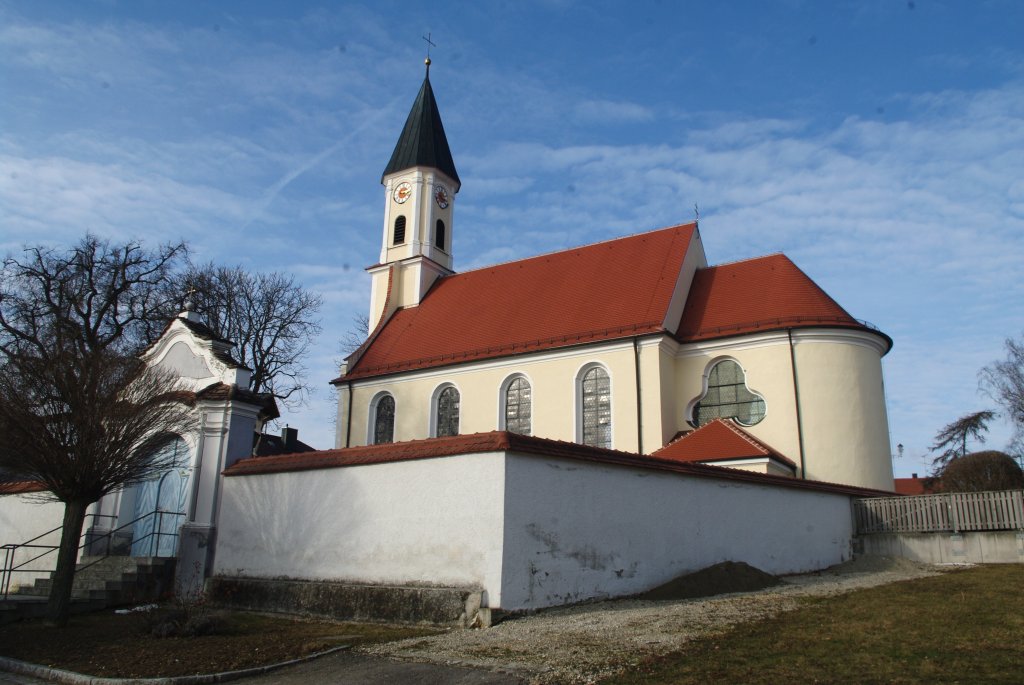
447, 412
728, 397
595, 390
399, 230
518, 406
384, 420
439, 236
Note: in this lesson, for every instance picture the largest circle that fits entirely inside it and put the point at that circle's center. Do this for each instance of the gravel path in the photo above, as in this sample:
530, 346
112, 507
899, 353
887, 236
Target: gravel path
584, 643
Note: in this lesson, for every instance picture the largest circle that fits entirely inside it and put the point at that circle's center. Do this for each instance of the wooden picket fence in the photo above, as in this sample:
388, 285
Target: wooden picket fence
955, 512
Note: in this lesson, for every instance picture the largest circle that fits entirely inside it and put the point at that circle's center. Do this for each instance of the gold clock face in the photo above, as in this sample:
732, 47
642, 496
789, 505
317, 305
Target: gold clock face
441, 196
403, 191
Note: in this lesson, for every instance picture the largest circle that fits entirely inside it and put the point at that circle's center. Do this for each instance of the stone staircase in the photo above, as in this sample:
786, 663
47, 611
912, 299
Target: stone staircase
100, 583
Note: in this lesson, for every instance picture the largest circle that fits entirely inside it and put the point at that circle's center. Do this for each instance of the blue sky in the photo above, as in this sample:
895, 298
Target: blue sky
880, 144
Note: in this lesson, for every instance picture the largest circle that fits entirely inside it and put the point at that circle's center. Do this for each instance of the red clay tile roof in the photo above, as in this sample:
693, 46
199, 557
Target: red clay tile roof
915, 486
719, 440
21, 487
604, 291
500, 441
762, 294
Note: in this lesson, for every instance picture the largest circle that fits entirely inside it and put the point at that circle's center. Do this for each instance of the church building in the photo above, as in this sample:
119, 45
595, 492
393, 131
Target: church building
635, 344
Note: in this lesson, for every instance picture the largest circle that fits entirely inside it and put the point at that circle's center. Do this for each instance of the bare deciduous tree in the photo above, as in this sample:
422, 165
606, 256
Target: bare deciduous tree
97, 295
356, 335
78, 411
270, 318
951, 441
1003, 381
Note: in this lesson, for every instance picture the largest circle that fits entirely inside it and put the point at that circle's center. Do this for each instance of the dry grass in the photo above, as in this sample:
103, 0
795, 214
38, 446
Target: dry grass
965, 626
111, 645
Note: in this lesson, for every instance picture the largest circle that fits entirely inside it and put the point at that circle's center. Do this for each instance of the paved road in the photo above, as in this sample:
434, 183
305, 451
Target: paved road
348, 668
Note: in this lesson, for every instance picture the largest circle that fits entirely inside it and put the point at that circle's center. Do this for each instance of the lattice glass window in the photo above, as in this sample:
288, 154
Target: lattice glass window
448, 412
597, 408
728, 397
518, 406
399, 230
384, 421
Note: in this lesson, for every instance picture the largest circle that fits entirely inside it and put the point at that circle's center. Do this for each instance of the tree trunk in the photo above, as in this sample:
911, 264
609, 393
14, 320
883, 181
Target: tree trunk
59, 606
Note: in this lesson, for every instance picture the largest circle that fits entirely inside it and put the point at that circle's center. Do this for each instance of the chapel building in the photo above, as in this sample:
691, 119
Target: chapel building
634, 344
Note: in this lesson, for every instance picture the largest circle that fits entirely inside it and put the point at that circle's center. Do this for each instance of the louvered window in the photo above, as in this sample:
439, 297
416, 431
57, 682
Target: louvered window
597, 408
439, 235
728, 397
384, 421
518, 407
399, 230
448, 412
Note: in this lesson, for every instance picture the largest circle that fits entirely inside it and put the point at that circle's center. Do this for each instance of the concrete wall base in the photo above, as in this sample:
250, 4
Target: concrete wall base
976, 547
352, 602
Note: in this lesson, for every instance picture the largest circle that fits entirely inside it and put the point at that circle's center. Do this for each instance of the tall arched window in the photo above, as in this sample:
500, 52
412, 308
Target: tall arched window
596, 407
439, 235
384, 420
728, 397
399, 230
448, 412
518, 406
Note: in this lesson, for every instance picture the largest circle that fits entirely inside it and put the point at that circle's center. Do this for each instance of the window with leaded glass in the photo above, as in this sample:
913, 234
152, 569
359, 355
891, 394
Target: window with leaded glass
384, 420
596, 400
518, 409
728, 397
448, 412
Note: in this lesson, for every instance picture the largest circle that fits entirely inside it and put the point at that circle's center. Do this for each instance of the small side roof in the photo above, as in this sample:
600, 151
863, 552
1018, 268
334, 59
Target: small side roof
719, 440
615, 289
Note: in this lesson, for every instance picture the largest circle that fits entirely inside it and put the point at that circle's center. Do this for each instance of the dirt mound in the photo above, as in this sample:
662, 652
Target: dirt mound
728, 576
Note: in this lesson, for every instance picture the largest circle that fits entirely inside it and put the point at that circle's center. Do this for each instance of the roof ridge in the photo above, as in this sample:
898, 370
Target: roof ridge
738, 430
750, 259
571, 249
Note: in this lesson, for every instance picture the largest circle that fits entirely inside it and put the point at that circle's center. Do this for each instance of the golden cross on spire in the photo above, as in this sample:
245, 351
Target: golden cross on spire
430, 44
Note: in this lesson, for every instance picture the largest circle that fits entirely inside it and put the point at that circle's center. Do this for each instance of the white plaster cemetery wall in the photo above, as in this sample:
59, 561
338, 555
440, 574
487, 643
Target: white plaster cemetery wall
429, 521
531, 531
23, 517
577, 530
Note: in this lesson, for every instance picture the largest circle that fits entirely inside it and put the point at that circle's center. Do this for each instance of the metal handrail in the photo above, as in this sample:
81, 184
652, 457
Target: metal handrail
10, 549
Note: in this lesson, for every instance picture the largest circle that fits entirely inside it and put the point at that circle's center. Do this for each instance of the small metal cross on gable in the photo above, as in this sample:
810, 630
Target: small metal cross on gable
430, 44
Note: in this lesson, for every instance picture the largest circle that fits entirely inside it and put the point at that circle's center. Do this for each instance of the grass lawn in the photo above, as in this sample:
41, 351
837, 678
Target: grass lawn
965, 626
112, 645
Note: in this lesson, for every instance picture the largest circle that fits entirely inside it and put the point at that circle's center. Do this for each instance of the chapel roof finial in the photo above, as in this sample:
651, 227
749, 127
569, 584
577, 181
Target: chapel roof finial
430, 44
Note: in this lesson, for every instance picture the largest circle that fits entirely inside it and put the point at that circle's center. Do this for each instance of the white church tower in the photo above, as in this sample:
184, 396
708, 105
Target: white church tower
420, 185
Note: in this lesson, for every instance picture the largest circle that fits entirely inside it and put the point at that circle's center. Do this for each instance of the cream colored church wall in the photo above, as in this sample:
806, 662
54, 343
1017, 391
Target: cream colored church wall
553, 380
842, 400
842, 403
766, 362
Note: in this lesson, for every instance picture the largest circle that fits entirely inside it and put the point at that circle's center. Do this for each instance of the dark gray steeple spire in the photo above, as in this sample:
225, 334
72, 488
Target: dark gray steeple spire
423, 142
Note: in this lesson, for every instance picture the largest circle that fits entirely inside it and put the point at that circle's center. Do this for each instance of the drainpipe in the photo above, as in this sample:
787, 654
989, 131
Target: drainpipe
639, 400
796, 400
348, 421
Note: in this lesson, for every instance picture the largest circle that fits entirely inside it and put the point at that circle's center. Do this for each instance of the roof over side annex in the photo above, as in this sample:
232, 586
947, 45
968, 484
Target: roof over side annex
614, 289
719, 440
761, 294
423, 142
